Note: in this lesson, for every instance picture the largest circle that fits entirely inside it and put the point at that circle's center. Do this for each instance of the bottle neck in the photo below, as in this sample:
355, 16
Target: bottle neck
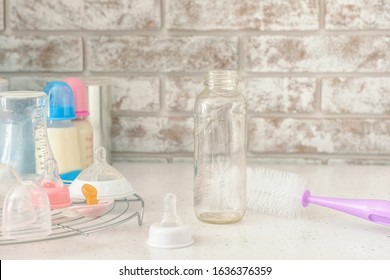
226, 80
59, 123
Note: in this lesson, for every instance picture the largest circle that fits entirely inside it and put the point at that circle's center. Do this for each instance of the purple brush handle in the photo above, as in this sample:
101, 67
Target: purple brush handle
377, 211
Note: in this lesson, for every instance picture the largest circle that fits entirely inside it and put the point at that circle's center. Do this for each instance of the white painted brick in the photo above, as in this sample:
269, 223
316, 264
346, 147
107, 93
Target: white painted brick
181, 92
238, 14
135, 94
337, 53
280, 95
323, 136
356, 95
33, 83
85, 15
152, 134
263, 95
357, 15
41, 53
147, 53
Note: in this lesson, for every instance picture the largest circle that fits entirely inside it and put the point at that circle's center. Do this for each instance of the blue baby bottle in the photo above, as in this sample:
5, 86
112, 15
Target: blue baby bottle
61, 132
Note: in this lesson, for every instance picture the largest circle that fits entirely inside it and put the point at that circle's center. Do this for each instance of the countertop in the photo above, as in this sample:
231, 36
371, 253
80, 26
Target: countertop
320, 233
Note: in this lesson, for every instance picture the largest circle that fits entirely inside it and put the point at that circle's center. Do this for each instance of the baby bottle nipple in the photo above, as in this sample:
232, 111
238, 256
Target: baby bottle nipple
170, 232
52, 183
170, 218
107, 180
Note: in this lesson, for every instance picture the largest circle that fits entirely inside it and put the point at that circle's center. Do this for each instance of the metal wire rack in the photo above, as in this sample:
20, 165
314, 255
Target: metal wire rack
64, 226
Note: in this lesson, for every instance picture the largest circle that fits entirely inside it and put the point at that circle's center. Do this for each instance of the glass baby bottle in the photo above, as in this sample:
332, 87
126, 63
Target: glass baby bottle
220, 150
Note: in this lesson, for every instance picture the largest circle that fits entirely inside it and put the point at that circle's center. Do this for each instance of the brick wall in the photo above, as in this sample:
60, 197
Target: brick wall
316, 73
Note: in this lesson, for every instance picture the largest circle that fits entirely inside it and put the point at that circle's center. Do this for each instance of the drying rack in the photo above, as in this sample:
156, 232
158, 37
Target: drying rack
121, 211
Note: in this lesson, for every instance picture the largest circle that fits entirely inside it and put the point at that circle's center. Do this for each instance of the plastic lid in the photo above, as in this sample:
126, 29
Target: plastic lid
170, 233
80, 95
18, 101
26, 209
8, 178
61, 101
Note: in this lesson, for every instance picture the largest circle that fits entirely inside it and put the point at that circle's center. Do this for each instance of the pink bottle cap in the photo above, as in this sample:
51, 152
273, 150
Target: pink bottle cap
80, 95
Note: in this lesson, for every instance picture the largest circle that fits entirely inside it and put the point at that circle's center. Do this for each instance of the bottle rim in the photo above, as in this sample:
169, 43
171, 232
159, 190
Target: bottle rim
222, 77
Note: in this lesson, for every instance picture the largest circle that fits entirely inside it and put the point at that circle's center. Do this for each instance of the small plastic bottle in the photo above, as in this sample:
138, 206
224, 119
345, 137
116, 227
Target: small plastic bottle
84, 127
61, 132
220, 150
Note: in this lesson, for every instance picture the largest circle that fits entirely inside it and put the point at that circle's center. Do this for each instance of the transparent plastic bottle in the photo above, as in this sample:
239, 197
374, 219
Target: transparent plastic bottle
24, 142
61, 132
84, 127
220, 150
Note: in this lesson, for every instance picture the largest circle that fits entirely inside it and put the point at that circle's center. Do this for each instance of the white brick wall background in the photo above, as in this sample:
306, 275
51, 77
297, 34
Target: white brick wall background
316, 73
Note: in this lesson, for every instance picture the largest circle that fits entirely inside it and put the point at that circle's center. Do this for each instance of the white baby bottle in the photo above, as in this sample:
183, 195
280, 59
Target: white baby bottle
84, 128
61, 132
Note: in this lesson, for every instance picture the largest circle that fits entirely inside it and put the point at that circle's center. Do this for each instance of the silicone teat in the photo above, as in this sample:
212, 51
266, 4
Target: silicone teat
90, 194
170, 232
170, 218
51, 178
99, 170
59, 195
99, 155
107, 180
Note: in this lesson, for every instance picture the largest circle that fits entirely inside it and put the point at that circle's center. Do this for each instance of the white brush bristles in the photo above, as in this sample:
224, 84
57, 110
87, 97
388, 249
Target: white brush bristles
275, 192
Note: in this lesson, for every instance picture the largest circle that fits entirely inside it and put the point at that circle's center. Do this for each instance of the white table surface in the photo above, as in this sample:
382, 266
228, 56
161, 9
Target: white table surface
320, 233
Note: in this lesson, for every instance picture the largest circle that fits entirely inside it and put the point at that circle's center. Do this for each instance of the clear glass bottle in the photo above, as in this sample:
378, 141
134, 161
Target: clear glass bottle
220, 150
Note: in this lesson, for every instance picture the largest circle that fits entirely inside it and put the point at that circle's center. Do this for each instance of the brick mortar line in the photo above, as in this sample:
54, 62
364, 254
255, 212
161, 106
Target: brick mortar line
318, 96
162, 95
297, 116
319, 116
321, 15
200, 74
259, 156
319, 156
217, 33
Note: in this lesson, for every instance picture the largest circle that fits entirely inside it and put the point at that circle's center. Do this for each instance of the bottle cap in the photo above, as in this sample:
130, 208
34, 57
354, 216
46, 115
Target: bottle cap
79, 89
61, 101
